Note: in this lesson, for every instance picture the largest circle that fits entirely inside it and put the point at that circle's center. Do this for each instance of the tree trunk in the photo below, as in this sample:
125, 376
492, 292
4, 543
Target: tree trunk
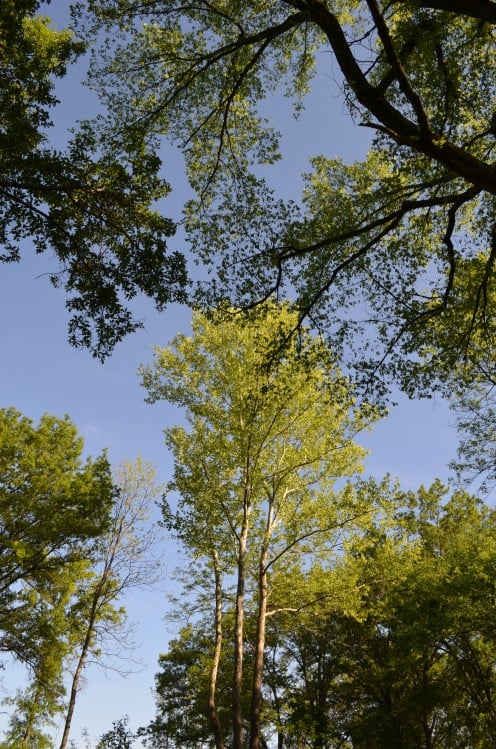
256, 690
212, 709
237, 718
81, 661
73, 696
258, 664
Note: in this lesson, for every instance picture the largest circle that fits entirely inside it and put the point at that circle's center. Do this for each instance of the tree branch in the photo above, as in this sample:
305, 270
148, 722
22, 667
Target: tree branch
484, 10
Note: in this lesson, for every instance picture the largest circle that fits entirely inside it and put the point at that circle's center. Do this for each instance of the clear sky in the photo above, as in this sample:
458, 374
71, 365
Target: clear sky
41, 373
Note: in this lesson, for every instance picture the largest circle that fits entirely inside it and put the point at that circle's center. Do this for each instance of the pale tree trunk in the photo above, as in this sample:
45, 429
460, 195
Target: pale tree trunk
237, 718
73, 695
212, 709
82, 660
256, 691
258, 664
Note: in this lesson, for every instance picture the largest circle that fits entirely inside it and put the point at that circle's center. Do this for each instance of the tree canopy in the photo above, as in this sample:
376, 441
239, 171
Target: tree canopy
74, 539
123, 559
393, 255
51, 501
402, 651
414, 665
92, 204
53, 507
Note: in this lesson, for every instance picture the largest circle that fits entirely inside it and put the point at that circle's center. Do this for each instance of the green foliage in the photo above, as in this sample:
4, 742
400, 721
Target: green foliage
122, 560
474, 406
260, 472
378, 255
269, 415
92, 204
53, 507
34, 54
51, 502
399, 652
119, 737
415, 666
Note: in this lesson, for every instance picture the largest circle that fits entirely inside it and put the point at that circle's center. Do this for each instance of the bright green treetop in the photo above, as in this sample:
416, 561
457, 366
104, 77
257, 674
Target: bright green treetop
53, 507
51, 501
259, 471
269, 415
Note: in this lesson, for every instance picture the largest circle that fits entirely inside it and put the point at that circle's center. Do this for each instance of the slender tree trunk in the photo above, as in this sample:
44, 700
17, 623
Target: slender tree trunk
73, 695
258, 663
81, 661
237, 718
212, 709
256, 690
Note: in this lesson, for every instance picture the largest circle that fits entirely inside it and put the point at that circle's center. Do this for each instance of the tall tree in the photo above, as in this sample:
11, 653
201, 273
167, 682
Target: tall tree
53, 508
121, 561
67, 618
92, 204
381, 253
271, 427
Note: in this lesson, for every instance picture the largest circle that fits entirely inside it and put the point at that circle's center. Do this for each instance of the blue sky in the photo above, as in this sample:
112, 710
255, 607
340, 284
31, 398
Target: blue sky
41, 373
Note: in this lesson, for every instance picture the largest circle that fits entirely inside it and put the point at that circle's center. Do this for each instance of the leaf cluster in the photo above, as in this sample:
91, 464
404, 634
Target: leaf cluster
92, 204
53, 507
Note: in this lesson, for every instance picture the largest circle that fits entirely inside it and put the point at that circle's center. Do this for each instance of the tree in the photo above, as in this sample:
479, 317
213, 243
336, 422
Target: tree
53, 507
401, 654
90, 204
119, 737
51, 504
413, 666
182, 687
58, 618
122, 561
271, 428
46, 643
381, 253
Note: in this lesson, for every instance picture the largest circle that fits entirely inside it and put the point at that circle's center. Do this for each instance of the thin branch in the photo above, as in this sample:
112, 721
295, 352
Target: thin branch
316, 531
217, 55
